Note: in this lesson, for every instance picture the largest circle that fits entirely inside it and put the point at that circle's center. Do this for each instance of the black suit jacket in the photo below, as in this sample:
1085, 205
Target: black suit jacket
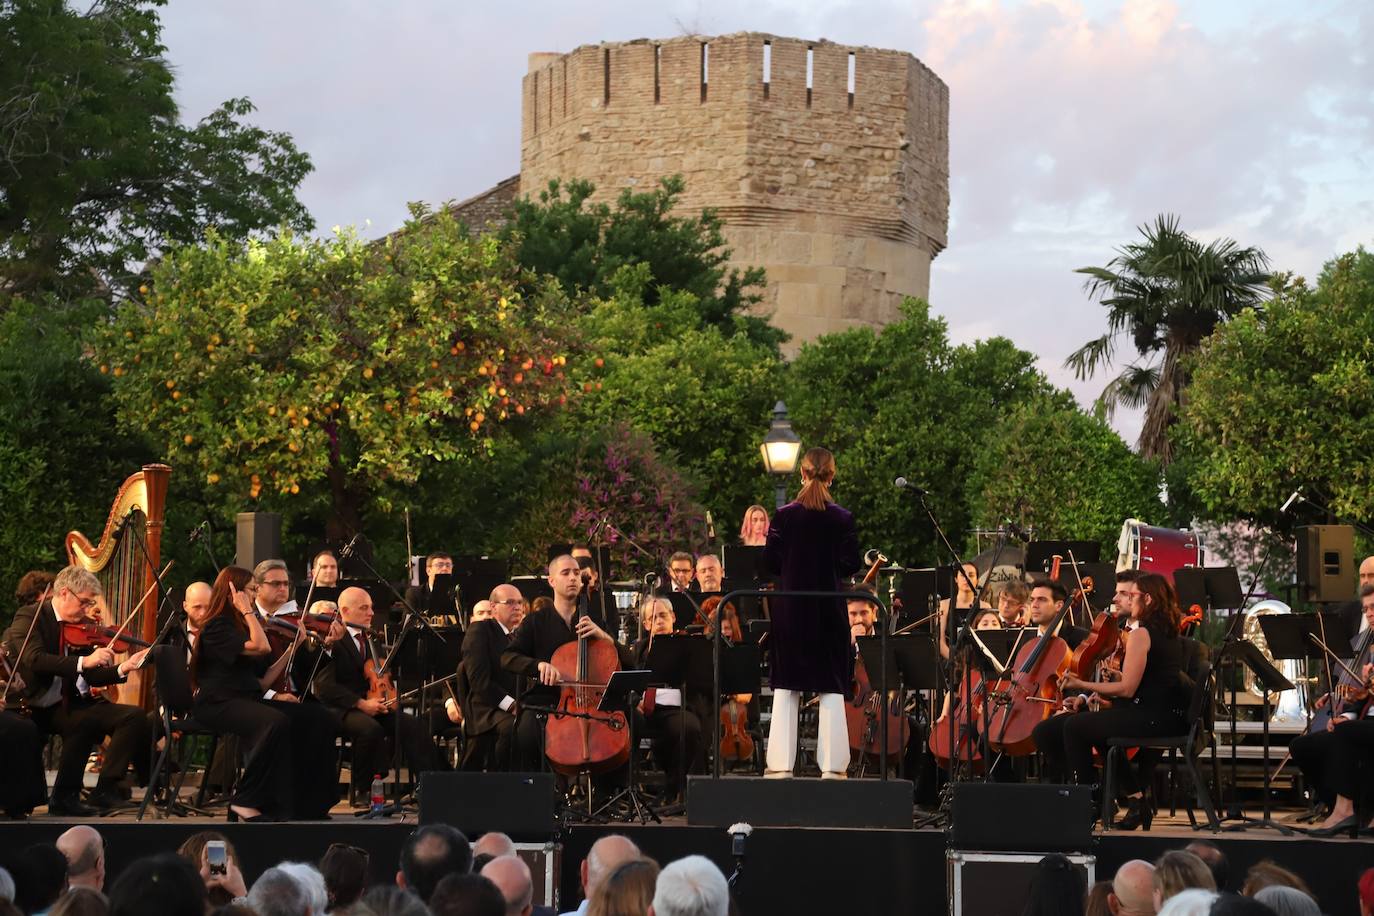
41, 661
341, 683
488, 682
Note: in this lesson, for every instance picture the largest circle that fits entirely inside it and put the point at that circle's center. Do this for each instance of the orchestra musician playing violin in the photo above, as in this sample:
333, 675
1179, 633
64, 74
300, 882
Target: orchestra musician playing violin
1330, 755
1148, 699
351, 686
532, 646
58, 688
813, 546
289, 746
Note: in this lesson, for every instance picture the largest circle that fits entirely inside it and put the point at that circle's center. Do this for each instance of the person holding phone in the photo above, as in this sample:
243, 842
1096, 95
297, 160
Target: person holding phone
288, 744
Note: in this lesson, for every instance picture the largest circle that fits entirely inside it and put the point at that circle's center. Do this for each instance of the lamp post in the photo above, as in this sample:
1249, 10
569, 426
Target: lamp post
781, 448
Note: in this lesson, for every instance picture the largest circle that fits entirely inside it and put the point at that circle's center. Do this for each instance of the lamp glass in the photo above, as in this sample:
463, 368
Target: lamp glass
780, 455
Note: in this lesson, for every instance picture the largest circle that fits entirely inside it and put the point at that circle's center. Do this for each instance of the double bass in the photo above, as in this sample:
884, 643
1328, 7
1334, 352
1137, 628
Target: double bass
577, 737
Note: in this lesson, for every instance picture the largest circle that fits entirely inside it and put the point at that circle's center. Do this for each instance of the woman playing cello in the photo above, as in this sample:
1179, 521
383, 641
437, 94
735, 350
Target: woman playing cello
1148, 697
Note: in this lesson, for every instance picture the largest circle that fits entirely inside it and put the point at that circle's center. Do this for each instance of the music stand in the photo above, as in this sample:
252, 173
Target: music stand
741, 562
921, 591
622, 694
1239, 651
322, 593
684, 609
916, 663
532, 587
1040, 554
750, 607
1212, 588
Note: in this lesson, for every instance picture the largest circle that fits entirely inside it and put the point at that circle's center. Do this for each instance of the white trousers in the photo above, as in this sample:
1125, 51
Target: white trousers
832, 742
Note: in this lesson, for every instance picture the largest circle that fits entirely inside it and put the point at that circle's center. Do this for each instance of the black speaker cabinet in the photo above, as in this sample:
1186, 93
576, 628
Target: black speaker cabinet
518, 804
1326, 562
259, 538
799, 802
1027, 817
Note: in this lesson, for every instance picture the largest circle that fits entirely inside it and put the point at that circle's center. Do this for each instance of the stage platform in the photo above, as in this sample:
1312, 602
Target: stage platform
786, 870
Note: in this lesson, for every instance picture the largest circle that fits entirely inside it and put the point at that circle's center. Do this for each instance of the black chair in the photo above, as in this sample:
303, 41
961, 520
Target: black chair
1198, 737
172, 689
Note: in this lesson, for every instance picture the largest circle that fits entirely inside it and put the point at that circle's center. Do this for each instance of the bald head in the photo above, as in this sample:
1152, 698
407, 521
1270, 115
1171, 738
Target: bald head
355, 606
494, 844
1133, 890
197, 603
512, 878
606, 855
85, 852
1367, 571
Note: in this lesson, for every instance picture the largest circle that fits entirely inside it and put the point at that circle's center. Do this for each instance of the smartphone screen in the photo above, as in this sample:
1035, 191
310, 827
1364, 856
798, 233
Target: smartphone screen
216, 857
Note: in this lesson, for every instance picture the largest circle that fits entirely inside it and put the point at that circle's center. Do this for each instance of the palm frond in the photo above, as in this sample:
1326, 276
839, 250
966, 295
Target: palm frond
1085, 360
1131, 389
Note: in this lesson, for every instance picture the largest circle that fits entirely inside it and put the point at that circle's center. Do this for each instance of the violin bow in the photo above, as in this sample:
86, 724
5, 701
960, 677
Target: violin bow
38, 609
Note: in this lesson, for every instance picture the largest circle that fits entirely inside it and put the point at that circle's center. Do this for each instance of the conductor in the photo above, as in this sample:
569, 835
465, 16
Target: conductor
812, 546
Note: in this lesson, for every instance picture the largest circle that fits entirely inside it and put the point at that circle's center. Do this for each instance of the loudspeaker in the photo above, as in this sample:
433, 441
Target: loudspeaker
799, 802
1326, 562
259, 538
518, 804
1027, 817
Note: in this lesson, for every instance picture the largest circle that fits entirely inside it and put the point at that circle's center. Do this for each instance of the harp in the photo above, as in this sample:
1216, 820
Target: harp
127, 557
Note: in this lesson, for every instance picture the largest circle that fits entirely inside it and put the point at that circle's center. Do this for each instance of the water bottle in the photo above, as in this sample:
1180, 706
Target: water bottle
378, 798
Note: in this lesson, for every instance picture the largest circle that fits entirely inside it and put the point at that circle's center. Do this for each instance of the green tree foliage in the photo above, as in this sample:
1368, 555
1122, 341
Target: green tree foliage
586, 244
1050, 465
1167, 292
1283, 400
905, 402
702, 396
269, 369
61, 454
97, 174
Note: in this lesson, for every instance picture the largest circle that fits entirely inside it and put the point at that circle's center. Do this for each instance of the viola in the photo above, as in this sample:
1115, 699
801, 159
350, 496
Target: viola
577, 738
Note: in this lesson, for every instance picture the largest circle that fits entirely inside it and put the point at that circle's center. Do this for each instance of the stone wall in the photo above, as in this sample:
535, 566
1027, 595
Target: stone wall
833, 173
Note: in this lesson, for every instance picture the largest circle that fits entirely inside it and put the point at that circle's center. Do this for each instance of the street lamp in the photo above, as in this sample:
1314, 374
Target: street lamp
781, 448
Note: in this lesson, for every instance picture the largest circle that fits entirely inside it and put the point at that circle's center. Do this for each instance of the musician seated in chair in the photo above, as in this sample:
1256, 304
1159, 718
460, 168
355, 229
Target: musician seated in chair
863, 615
673, 725
1045, 600
343, 686
58, 688
491, 688
532, 647
1011, 603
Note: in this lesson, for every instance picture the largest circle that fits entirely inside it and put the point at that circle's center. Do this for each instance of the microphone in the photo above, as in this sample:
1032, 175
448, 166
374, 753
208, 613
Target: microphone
198, 532
347, 549
1016, 530
710, 527
902, 483
1295, 497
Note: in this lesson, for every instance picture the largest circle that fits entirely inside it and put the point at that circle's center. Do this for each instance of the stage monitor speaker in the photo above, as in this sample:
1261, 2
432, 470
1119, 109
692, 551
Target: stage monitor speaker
259, 538
1048, 818
870, 803
1326, 563
517, 804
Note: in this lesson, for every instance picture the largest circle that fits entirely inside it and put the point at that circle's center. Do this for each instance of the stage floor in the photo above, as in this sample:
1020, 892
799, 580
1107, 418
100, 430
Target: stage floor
791, 870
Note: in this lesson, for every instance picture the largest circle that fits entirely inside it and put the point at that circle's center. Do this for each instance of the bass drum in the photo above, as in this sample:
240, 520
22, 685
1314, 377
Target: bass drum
1157, 550
1287, 705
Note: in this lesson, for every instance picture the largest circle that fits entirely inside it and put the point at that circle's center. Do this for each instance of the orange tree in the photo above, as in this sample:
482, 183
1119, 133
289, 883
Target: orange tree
289, 367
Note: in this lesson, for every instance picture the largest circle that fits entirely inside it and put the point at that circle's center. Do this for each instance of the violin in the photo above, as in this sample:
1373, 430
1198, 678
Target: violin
380, 686
735, 741
577, 738
1194, 616
93, 634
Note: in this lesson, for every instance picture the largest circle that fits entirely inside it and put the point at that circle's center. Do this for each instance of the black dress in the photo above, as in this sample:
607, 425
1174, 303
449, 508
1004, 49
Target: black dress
808, 639
290, 768
23, 784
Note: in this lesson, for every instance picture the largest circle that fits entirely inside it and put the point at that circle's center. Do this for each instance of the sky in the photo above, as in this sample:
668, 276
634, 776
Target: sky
1072, 122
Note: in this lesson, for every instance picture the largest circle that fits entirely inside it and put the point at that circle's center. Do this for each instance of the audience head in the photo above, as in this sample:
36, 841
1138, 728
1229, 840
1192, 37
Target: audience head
1287, 901
6, 884
81, 901
606, 855
160, 885
344, 869
1269, 873
467, 895
1133, 889
311, 881
1366, 892
85, 852
495, 844
430, 854
1214, 859
277, 892
1192, 902
386, 900
1057, 888
193, 851
1236, 905
512, 878
692, 887
40, 877
1097, 903
627, 891
1177, 871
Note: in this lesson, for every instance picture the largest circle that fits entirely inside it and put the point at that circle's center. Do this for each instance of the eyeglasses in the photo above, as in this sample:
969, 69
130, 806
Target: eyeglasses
510, 601
87, 604
277, 583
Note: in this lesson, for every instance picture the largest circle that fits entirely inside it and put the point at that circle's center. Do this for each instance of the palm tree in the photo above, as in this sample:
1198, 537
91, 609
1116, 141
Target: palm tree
1168, 292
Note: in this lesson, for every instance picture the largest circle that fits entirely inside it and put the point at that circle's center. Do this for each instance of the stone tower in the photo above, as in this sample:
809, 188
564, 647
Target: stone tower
828, 164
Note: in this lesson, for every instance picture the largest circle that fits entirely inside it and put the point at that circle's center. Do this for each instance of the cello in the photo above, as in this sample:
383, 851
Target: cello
1032, 692
578, 738
862, 711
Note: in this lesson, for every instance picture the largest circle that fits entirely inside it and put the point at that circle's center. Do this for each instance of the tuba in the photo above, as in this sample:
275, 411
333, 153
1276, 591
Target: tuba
127, 558
1287, 706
